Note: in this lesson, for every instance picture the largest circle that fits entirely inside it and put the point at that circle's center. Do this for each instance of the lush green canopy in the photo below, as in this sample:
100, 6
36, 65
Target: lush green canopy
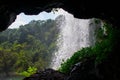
30, 45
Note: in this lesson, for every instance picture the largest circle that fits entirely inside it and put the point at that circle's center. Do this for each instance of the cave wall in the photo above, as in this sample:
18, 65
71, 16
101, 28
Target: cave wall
107, 10
104, 9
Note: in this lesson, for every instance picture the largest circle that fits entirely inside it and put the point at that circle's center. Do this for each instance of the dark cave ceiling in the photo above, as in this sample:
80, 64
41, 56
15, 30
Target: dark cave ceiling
83, 9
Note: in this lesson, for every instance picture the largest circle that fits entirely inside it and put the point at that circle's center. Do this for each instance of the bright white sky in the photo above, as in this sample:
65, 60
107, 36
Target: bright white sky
23, 19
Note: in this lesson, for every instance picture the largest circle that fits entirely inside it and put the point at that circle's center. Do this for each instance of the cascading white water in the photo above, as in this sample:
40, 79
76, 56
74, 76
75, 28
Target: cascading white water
74, 35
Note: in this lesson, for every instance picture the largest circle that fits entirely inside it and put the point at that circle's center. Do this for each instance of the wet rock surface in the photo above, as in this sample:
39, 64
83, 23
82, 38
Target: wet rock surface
47, 74
85, 70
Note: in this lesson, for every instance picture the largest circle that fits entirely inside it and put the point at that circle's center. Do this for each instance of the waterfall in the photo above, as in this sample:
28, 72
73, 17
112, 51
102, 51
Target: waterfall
74, 34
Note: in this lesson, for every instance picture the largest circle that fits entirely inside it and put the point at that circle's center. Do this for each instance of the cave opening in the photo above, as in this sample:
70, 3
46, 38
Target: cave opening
28, 43
109, 69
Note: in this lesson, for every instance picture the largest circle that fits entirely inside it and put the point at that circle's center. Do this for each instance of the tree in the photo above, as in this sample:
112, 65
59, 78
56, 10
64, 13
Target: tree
7, 60
32, 45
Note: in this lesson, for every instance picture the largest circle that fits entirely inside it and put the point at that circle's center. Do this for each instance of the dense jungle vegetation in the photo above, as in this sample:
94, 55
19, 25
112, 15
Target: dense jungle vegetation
28, 47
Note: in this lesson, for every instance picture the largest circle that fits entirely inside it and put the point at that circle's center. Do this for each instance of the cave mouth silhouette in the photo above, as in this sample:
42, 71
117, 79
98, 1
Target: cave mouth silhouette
107, 11
23, 19
83, 9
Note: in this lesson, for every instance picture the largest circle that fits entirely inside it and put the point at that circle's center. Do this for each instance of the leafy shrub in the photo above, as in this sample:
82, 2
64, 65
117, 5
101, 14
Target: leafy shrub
77, 57
102, 48
30, 71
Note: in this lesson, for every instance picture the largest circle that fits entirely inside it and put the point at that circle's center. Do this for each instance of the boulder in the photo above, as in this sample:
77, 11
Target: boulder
47, 74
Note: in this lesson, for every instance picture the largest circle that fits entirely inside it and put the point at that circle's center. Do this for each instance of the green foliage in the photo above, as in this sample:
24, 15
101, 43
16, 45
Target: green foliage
77, 57
29, 71
30, 45
7, 60
104, 45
